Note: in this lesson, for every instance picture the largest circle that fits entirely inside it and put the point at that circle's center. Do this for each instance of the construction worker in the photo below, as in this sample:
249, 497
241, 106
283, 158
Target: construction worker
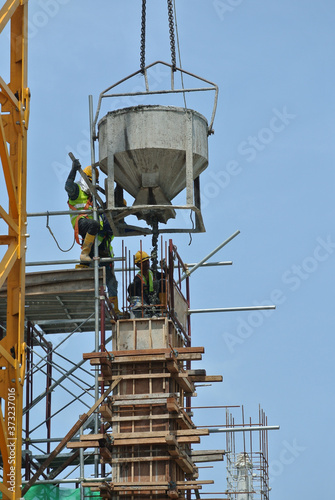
85, 226
144, 278
79, 199
145, 290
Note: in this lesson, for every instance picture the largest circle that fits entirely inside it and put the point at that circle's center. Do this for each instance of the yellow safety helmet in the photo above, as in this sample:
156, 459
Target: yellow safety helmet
141, 257
88, 172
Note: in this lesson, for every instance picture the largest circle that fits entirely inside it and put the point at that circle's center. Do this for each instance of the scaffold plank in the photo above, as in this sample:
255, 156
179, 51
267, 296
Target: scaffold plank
148, 358
131, 435
156, 440
155, 395
206, 378
207, 458
152, 352
137, 376
56, 300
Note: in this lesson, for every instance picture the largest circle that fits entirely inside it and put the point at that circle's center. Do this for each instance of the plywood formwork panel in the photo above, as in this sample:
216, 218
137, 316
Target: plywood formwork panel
150, 333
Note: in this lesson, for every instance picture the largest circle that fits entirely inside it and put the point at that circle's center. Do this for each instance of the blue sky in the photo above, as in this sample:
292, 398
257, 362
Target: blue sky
274, 64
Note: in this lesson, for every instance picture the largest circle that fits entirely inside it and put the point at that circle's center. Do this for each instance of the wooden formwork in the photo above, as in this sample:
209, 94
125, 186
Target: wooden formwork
147, 434
150, 333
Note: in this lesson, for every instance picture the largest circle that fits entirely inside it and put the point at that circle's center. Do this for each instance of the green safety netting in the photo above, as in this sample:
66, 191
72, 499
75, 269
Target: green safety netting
51, 492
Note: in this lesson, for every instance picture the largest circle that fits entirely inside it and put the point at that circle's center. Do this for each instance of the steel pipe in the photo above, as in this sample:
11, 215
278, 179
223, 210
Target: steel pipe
211, 264
230, 309
69, 481
153, 92
209, 256
63, 262
50, 440
61, 212
242, 429
96, 278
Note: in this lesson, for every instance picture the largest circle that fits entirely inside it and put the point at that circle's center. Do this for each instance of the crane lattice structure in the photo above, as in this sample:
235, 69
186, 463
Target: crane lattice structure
14, 101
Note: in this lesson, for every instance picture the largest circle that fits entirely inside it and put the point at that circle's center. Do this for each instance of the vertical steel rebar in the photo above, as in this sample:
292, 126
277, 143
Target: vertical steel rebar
167, 284
123, 277
142, 294
162, 280
260, 444
267, 465
131, 271
244, 449
171, 290
250, 440
125, 291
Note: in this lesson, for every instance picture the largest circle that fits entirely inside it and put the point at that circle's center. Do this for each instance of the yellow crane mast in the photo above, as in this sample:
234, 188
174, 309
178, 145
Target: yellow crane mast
14, 101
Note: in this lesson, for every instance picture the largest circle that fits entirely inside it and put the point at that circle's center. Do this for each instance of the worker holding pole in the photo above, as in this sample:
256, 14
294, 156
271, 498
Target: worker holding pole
86, 228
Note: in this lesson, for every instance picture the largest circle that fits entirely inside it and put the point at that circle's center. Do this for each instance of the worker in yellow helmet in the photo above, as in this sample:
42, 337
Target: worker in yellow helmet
145, 288
85, 226
144, 277
79, 199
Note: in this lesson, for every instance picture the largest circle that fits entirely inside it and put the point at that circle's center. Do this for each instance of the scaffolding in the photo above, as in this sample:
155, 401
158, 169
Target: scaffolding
60, 306
138, 434
247, 458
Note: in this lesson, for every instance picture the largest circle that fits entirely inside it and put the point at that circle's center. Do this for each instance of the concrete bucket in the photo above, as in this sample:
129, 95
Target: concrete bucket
153, 153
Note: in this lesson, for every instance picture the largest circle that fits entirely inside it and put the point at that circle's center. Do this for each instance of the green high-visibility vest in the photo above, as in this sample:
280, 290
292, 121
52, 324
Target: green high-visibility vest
78, 204
151, 280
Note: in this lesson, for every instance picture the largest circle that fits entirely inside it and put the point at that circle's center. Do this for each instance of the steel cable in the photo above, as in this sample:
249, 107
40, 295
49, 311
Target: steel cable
179, 55
143, 28
171, 30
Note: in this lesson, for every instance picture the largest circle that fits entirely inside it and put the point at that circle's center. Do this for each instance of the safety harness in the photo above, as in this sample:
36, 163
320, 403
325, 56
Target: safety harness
80, 205
75, 221
144, 281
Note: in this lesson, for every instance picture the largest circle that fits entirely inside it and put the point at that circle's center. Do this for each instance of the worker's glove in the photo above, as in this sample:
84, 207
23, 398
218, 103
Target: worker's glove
76, 165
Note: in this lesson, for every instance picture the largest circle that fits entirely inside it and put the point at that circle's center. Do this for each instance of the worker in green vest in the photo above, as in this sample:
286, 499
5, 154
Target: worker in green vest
80, 199
144, 279
88, 229
146, 289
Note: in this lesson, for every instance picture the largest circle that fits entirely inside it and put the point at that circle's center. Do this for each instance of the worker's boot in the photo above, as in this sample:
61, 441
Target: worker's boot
115, 304
86, 248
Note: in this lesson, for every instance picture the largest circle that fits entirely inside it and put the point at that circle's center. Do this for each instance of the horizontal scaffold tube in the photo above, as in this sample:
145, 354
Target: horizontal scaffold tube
230, 309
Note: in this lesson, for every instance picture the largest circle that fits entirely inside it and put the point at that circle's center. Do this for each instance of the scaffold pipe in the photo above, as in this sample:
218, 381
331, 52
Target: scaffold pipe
241, 429
209, 256
230, 309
